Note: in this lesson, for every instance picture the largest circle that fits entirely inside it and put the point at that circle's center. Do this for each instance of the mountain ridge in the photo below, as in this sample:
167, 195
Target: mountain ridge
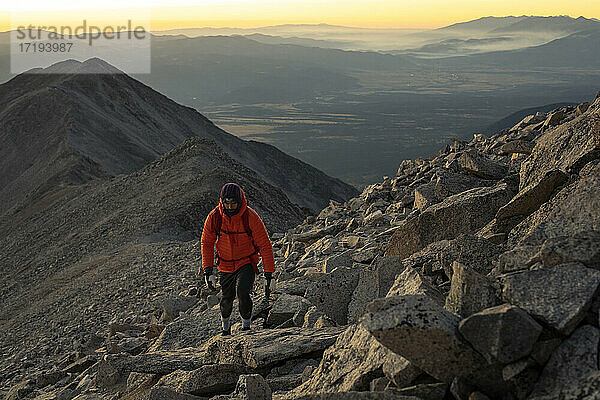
125, 125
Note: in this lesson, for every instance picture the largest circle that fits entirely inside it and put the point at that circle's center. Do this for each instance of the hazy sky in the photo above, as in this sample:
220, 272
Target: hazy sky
374, 13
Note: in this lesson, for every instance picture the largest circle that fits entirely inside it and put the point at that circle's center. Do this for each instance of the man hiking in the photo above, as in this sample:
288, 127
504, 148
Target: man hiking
240, 238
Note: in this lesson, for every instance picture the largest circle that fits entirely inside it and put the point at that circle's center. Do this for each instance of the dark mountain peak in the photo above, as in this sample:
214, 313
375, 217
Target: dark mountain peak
93, 65
52, 121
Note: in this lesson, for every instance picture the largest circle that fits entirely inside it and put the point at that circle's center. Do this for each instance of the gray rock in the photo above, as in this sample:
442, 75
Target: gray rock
421, 331
332, 293
517, 258
165, 393
470, 292
314, 235
532, 197
566, 148
298, 286
157, 362
573, 360
374, 282
425, 196
206, 380
379, 384
265, 347
409, 281
543, 349
252, 387
469, 250
583, 247
573, 210
448, 219
366, 254
400, 371
519, 146
374, 219
191, 330
450, 183
301, 311
343, 259
284, 308
557, 296
587, 388
504, 333
430, 391
482, 166
285, 383
349, 365
311, 317
173, 305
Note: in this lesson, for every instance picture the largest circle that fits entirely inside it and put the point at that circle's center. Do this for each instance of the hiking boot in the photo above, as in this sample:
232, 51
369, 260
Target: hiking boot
227, 332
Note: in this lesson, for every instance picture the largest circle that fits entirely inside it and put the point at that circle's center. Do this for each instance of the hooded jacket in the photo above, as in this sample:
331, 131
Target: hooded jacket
237, 244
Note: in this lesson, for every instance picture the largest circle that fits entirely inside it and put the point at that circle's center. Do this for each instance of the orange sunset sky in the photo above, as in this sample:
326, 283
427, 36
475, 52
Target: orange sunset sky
254, 13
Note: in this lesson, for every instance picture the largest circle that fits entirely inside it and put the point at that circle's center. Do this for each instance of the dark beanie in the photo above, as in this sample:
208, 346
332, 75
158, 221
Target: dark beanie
231, 190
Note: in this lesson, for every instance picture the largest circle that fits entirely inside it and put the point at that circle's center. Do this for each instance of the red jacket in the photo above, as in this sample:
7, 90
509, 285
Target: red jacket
233, 246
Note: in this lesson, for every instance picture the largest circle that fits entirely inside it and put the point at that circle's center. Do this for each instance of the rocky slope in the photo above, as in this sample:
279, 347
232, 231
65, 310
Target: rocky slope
470, 275
74, 122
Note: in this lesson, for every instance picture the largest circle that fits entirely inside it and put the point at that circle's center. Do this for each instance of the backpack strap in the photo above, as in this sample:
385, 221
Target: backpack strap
217, 222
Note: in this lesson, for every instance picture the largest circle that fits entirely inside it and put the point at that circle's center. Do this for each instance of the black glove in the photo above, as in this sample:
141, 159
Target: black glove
209, 278
269, 283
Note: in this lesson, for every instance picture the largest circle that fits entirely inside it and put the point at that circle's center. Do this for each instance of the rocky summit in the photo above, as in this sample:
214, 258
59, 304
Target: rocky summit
473, 274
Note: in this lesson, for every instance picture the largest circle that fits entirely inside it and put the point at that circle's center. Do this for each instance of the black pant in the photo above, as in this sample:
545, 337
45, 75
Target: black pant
243, 279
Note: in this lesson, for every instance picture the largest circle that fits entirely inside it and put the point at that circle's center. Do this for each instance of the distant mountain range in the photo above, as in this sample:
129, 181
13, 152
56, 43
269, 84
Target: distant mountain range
71, 127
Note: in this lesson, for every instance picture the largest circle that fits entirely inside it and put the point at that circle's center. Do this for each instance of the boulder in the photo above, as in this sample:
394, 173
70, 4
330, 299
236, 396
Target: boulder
421, 331
504, 333
165, 393
173, 305
583, 247
158, 362
425, 196
574, 360
265, 347
572, 210
332, 293
252, 387
284, 308
470, 292
206, 380
532, 197
554, 119
298, 286
375, 218
409, 281
285, 383
312, 316
448, 183
567, 148
428, 391
191, 330
471, 251
350, 364
558, 296
479, 165
343, 259
400, 371
446, 220
517, 258
519, 146
374, 281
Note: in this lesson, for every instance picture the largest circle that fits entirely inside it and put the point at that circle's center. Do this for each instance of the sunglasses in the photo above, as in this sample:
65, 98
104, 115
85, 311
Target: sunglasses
230, 200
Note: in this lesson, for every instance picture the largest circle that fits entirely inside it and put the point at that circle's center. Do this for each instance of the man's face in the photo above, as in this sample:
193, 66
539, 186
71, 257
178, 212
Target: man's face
230, 204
